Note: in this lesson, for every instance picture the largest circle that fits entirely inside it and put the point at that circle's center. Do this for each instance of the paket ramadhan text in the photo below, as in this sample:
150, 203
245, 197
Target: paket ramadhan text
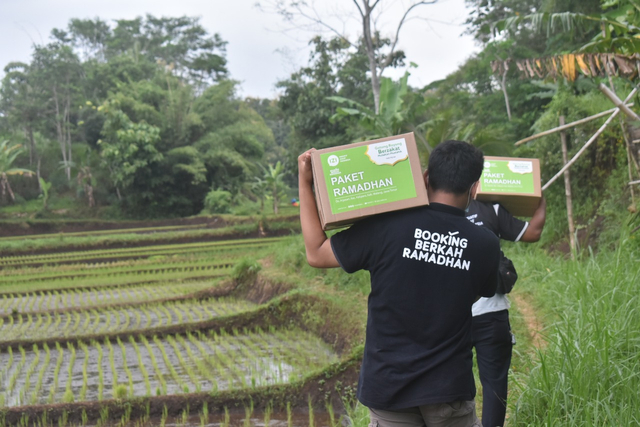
498, 178
359, 187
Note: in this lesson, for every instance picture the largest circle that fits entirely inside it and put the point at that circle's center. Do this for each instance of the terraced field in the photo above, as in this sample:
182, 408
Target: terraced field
86, 333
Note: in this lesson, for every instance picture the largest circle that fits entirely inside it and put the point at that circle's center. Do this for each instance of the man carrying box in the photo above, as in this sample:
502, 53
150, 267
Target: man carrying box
492, 336
428, 266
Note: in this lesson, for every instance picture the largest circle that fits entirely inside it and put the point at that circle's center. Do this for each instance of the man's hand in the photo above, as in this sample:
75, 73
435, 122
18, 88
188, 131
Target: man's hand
536, 225
305, 173
317, 246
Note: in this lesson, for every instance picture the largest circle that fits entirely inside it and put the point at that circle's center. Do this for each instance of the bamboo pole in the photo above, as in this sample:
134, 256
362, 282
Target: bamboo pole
610, 93
630, 162
568, 126
567, 191
587, 144
617, 102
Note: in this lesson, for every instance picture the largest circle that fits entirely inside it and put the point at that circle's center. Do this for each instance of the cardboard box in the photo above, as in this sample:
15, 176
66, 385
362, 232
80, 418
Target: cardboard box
513, 182
367, 178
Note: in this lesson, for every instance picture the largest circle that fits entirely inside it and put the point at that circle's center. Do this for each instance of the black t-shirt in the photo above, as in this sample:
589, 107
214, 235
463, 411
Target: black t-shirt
427, 266
497, 219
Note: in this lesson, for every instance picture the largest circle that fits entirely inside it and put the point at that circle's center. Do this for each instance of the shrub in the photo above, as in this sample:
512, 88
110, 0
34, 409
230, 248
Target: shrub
217, 201
245, 270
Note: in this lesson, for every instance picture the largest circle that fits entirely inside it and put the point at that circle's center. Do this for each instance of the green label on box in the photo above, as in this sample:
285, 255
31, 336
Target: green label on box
368, 175
507, 176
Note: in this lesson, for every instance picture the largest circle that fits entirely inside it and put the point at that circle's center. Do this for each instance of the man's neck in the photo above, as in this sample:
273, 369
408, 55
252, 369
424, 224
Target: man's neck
457, 201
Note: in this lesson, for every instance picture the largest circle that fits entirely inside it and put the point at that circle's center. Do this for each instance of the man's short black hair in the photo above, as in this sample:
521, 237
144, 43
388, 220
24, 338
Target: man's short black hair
454, 166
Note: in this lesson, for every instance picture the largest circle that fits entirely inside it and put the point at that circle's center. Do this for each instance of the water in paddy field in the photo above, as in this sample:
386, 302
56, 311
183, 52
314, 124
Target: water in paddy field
238, 419
173, 365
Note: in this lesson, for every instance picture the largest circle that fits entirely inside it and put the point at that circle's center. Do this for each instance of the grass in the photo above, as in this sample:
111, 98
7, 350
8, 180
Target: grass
589, 372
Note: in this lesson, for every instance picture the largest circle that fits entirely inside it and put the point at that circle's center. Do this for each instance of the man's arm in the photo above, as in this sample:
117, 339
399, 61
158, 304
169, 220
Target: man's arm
536, 225
316, 243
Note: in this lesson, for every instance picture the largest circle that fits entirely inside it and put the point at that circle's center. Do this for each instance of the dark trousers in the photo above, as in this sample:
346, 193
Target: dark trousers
492, 340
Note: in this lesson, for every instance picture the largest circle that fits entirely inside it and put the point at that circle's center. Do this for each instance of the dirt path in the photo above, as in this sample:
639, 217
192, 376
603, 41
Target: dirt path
534, 325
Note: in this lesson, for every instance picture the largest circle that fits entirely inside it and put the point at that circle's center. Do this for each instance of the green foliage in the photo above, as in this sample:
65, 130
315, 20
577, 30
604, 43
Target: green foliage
245, 270
169, 126
217, 201
613, 30
233, 137
128, 148
357, 413
8, 155
181, 43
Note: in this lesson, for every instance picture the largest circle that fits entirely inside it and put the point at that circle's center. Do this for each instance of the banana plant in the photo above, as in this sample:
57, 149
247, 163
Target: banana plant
619, 25
391, 116
45, 186
8, 155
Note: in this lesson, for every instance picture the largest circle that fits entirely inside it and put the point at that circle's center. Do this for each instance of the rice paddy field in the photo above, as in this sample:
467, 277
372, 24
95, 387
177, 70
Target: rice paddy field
159, 331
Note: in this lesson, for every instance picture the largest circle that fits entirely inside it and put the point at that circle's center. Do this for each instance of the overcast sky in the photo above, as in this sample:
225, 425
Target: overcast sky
259, 53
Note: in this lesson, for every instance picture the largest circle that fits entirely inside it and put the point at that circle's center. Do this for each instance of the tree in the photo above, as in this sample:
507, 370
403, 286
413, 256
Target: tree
382, 51
22, 103
233, 137
128, 148
57, 70
333, 70
181, 42
8, 154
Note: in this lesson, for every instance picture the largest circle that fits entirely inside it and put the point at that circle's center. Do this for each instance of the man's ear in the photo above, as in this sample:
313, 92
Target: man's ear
474, 189
425, 175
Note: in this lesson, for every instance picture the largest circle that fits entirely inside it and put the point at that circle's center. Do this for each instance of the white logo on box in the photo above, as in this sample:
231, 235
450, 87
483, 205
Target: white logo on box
520, 167
388, 152
333, 160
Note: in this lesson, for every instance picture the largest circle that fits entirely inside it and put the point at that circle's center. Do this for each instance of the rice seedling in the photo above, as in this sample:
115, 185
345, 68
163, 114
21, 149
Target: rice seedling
174, 375
4, 369
248, 411
165, 415
125, 365
68, 393
154, 363
56, 374
195, 380
27, 381
97, 345
85, 376
43, 368
312, 421
14, 378
267, 413
141, 366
